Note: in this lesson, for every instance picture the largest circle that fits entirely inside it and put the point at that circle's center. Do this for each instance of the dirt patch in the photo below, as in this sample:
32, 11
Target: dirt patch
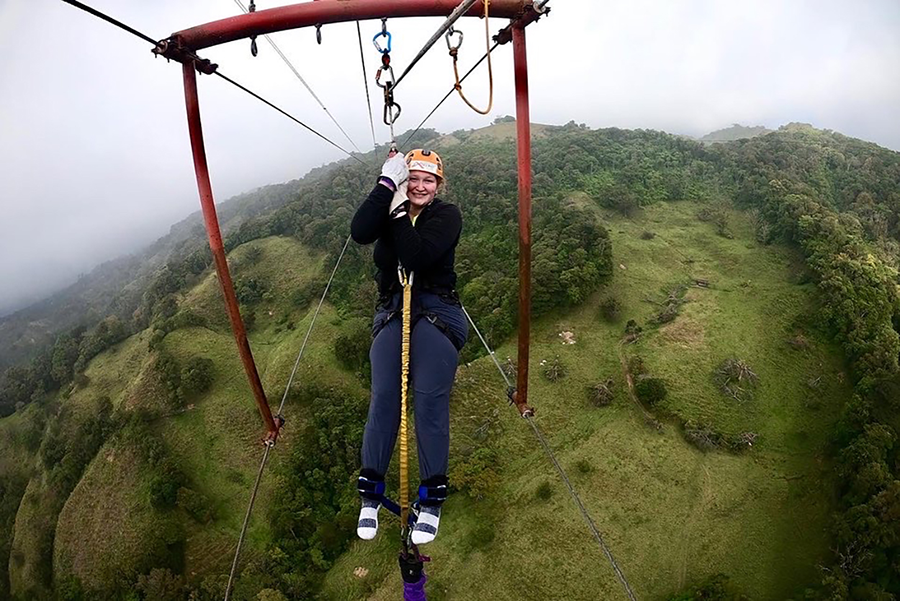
684, 333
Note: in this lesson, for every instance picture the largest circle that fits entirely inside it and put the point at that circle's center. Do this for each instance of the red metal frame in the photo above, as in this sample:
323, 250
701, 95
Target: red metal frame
182, 46
321, 12
215, 244
523, 138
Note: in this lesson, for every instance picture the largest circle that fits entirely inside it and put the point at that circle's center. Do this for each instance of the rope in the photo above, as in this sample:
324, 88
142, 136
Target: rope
265, 457
362, 60
487, 42
289, 116
303, 81
464, 6
448, 94
109, 19
584, 512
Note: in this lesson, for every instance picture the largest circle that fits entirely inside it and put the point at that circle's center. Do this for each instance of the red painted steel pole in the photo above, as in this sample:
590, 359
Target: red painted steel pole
523, 135
331, 11
215, 244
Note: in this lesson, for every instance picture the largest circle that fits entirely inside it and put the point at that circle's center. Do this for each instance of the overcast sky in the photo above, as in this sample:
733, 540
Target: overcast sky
93, 139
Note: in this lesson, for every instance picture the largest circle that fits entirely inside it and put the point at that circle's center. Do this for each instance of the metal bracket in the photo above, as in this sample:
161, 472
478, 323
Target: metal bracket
172, 49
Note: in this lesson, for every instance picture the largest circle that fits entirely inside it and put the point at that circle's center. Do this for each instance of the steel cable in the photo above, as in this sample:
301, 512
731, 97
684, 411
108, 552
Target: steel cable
362, 60
109, 19
464, 6
289, 116
265, 457
303, 81
562, 473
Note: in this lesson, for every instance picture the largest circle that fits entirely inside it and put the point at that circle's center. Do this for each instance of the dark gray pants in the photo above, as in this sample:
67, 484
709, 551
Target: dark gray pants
433, 361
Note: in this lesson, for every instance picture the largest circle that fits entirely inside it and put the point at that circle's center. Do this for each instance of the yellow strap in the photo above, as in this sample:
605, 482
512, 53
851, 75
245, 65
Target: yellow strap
406, 281
458, 85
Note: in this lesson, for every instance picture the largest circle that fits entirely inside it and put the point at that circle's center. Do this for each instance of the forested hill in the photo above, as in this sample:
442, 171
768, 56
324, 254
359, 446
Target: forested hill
768, 266
735, 132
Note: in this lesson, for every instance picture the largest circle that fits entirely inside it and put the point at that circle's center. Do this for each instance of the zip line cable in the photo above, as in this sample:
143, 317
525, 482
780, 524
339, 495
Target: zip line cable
312, 323
362, 60
109, 19
289, 116
464, 6
155, 43
450, 93
270, 445
303, 81
562, 473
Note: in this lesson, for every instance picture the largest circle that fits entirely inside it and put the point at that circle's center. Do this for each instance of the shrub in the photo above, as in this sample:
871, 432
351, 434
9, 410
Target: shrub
651, 390
196, 376
632, 330
648, 236
735, 378
714, 588
554, 370
162, 491
584, 466
702, 436
601, 393
196, 504
544, 491
610, 309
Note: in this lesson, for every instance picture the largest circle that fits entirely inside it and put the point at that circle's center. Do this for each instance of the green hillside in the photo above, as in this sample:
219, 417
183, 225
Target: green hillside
664, 270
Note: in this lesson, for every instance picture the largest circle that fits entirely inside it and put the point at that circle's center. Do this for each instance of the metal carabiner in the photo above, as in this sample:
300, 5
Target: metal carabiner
390, 117
386, 84
450, 33
383, 34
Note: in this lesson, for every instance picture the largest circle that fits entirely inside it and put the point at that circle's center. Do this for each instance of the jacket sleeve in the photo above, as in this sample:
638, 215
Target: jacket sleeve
371, 219
421, 248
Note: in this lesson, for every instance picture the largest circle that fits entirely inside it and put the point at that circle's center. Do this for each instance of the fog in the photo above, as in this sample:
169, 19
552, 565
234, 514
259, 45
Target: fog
93, 140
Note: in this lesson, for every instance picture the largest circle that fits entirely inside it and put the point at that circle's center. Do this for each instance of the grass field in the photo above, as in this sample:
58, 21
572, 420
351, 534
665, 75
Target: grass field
671, 513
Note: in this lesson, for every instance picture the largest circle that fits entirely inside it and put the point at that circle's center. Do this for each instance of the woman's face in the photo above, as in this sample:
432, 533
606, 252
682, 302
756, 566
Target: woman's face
421, 189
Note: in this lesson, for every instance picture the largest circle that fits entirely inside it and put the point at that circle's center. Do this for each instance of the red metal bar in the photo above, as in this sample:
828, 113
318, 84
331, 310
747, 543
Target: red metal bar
218, 250
523, 138
331, 11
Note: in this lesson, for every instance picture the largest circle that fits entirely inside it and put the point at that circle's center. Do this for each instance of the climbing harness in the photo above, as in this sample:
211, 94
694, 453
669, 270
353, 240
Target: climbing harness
454, 52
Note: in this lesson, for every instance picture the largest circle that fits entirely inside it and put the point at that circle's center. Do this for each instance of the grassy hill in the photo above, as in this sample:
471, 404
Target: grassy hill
671, 513
128, 481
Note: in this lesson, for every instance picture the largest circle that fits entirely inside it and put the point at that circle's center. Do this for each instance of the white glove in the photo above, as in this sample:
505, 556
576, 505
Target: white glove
395, 169
400, 203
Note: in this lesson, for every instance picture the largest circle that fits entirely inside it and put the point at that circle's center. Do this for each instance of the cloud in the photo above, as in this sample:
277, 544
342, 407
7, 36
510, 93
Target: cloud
93, 135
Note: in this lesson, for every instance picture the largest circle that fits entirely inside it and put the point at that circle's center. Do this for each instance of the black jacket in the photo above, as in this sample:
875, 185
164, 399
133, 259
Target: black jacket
428, 249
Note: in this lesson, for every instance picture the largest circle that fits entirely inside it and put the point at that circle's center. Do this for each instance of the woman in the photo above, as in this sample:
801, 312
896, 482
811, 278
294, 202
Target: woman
411, 228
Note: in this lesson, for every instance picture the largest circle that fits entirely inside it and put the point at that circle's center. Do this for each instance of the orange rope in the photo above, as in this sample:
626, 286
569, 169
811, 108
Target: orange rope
458, 84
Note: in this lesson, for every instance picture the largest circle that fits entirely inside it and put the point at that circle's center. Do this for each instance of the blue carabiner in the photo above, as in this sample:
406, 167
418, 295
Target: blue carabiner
380, 34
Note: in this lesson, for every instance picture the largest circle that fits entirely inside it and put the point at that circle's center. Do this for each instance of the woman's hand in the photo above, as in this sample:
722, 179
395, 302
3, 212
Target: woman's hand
400, 203
395, 170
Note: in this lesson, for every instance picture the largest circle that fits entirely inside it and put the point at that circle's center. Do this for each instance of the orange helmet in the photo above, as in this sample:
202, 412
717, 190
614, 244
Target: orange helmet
425, 160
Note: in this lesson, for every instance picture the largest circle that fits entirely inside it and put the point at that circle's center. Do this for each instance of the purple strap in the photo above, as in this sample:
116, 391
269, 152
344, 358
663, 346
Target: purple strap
415, 592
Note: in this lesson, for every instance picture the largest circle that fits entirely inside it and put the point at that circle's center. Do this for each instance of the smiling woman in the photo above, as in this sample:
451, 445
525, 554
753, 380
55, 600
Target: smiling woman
417, 232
